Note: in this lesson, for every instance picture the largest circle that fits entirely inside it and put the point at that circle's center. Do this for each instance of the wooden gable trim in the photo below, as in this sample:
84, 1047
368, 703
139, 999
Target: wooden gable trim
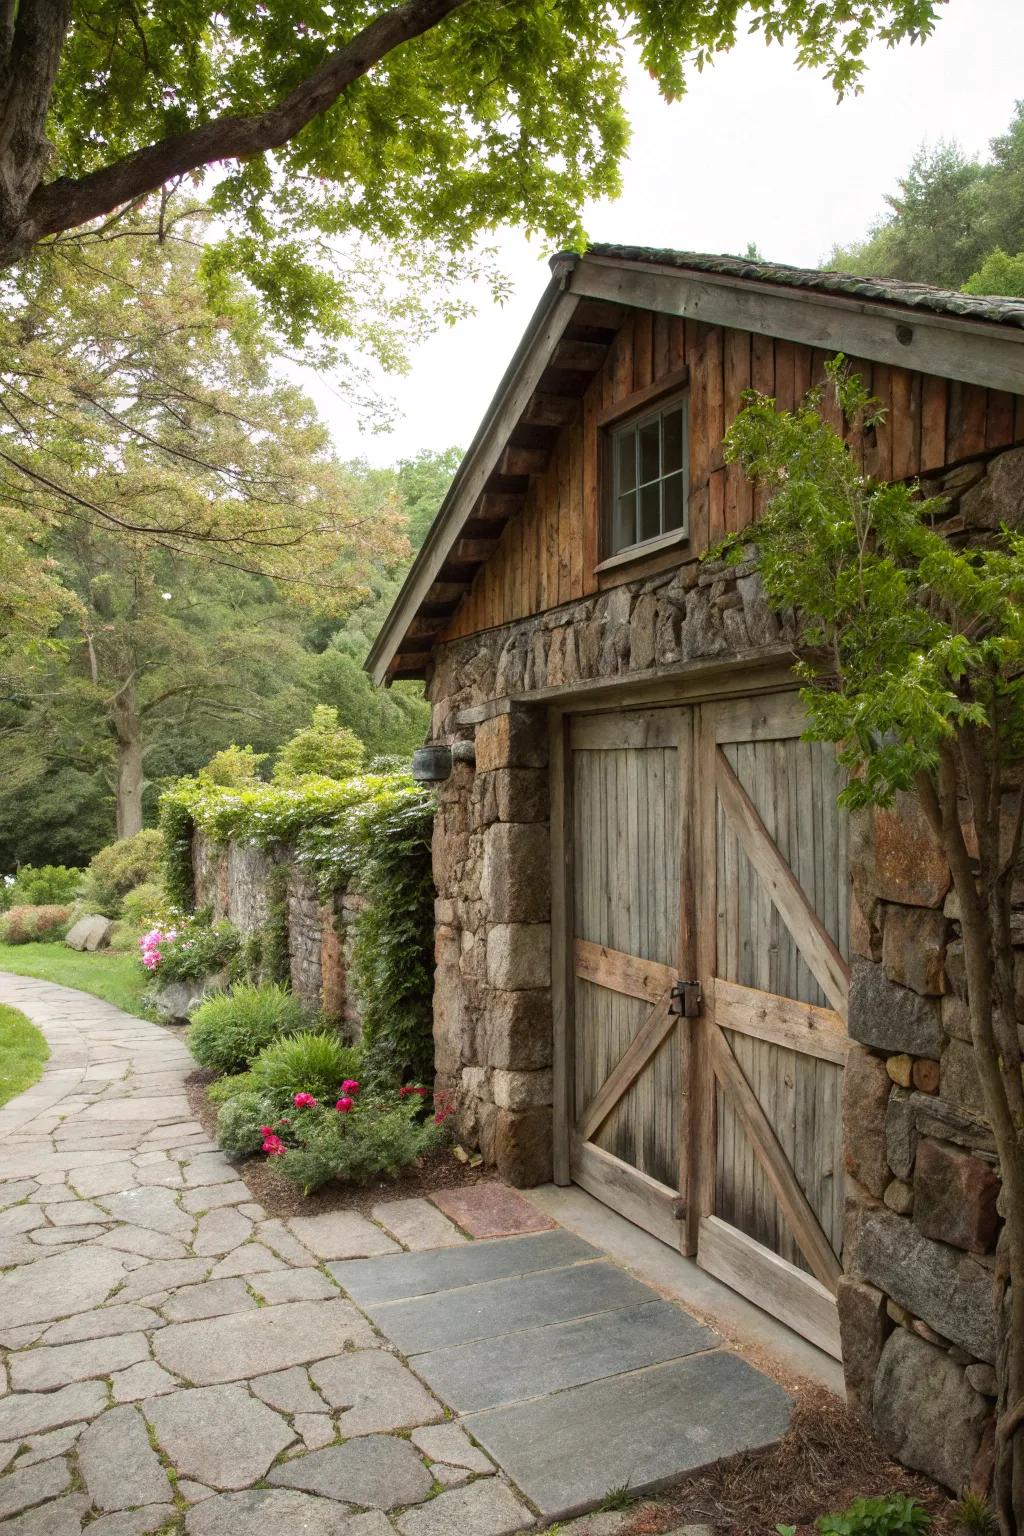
954, 347
513, 399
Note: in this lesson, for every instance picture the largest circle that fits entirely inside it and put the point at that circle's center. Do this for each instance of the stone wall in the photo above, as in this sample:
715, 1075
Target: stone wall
922, 1234
238, 880
916, 1303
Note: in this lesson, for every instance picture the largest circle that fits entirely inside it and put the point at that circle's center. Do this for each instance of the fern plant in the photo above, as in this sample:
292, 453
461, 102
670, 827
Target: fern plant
308, 1062
230, 1029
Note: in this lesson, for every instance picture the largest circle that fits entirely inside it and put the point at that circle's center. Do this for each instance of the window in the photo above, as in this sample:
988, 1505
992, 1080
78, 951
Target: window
649, 477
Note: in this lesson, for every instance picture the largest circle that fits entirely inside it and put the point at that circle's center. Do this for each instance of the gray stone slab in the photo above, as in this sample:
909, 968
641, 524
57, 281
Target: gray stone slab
642, 1430
47, 1366
271, 1509
31, 1485
294, 1285
483, 1509
506, 1306
22, 1413
55, 1287
421, 1274
244, 1344
376, 1392
375, 1472
134, 1522
220, 1436
60, 1517
490, 1372
120, 1467
340, 1235
213, 1299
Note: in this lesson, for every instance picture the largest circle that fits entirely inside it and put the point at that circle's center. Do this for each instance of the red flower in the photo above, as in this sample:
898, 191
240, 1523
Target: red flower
273, 1146
343, 1105
306, 1100
350, 1085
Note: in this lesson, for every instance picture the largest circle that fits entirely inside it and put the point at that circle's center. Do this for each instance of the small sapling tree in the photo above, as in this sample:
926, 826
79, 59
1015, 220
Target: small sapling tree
912, 657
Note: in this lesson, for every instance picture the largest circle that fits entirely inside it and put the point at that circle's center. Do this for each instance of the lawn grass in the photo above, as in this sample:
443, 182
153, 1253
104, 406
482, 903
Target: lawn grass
22, 1053
117, 978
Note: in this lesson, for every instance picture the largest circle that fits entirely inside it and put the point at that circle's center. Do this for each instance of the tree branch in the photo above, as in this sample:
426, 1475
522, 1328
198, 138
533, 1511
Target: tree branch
68, 202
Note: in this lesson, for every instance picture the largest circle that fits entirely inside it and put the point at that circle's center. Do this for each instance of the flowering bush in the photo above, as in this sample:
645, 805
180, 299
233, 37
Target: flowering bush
189, 949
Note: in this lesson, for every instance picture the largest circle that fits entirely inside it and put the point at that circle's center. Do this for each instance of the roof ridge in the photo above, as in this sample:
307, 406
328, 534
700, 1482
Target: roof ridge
967, 306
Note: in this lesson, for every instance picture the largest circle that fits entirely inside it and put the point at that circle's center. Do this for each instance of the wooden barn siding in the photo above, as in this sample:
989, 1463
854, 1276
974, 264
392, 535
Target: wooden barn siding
547, 553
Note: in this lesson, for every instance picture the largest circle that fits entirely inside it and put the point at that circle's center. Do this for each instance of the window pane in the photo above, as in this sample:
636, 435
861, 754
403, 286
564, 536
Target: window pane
625, 454
624, 519
672, 491
650, 455
650, 512
672, 428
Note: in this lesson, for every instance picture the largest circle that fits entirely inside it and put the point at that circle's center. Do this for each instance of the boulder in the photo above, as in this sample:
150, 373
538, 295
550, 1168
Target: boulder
890, 1017
925, 1412
90, 933
176, 1001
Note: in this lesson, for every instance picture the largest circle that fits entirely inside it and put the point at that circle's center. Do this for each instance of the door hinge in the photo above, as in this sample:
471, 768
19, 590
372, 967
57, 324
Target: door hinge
687, 1000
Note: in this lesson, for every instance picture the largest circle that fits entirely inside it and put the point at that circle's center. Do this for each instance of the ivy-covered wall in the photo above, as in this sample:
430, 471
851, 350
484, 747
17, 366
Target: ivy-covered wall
333, 880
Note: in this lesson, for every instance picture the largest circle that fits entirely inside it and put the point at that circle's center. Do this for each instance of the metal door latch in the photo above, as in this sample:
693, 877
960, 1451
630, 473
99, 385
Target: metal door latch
687, 1000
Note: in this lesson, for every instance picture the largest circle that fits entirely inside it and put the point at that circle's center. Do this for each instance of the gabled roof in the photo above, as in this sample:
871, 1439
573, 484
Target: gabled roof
976, 340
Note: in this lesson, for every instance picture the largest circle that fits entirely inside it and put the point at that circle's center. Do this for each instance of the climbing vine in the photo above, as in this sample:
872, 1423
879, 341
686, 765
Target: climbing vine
371, 831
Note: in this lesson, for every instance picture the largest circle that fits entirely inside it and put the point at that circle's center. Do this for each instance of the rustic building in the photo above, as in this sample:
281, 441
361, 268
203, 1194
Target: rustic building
668, 969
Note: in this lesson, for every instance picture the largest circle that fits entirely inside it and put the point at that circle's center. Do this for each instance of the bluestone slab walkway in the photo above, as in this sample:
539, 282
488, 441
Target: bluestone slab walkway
172, 1360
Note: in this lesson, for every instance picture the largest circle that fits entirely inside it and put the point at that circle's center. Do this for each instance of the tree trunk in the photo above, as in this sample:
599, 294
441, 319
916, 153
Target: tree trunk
126, 723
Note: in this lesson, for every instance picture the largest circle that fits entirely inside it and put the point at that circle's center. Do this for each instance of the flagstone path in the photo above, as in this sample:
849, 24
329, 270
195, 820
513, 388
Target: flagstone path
171, 1359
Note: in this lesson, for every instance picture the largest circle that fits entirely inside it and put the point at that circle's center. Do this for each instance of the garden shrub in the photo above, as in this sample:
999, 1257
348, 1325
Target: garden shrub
229, 1029
224, 1088
49, 885
115, 870
376, 1136
306, 1063
234, 767
239, 1123
143, 904
35, 925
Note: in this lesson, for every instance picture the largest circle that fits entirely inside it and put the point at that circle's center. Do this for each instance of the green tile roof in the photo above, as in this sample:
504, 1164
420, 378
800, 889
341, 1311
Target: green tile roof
888, 290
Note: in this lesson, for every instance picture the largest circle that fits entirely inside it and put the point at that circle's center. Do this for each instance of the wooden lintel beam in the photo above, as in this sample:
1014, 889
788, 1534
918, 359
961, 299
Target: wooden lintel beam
578, 356
424, 629
546, 410
523, 461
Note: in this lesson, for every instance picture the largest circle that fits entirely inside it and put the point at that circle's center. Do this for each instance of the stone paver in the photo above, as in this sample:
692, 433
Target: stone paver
491, 1210
218, 1435
376, 1391
341, 1235
165, 1345
481, 1509
377, 1472
417, 1224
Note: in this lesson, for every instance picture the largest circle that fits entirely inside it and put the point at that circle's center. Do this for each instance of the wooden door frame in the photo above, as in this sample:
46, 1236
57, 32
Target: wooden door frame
699, 683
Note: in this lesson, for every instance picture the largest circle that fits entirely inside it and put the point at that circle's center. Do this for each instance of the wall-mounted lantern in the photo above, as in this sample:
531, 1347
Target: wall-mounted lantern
432, 765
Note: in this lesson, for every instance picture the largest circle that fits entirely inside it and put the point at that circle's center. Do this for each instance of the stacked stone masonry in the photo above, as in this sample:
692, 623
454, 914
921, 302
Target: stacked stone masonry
238, 882
916, 1305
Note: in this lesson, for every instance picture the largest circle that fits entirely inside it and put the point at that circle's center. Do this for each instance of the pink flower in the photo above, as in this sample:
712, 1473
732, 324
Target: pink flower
306, 1100
266, 1130
273, 1146
350, 1085
344, 1104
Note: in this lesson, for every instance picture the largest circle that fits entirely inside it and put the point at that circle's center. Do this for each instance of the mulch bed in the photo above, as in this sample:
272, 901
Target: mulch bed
279, 1197
827, 1459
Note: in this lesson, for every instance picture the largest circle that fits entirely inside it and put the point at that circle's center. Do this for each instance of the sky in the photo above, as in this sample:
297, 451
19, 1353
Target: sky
757, 150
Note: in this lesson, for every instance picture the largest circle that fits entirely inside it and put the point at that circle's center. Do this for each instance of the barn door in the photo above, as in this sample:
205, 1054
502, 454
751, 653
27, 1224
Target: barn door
766, 1190
629, 780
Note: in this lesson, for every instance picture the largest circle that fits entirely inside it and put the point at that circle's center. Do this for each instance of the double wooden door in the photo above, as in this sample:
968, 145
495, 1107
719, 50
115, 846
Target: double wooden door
706, 895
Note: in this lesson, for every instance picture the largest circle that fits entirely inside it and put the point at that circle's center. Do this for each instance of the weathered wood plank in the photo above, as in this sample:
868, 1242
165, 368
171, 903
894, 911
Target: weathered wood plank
815, 943
642, 1200
802, 1219
771, 1283
562, 986
621, 972
782, 1021
649, 1038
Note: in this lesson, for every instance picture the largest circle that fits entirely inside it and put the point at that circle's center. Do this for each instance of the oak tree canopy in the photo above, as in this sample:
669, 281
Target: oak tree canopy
431, 121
